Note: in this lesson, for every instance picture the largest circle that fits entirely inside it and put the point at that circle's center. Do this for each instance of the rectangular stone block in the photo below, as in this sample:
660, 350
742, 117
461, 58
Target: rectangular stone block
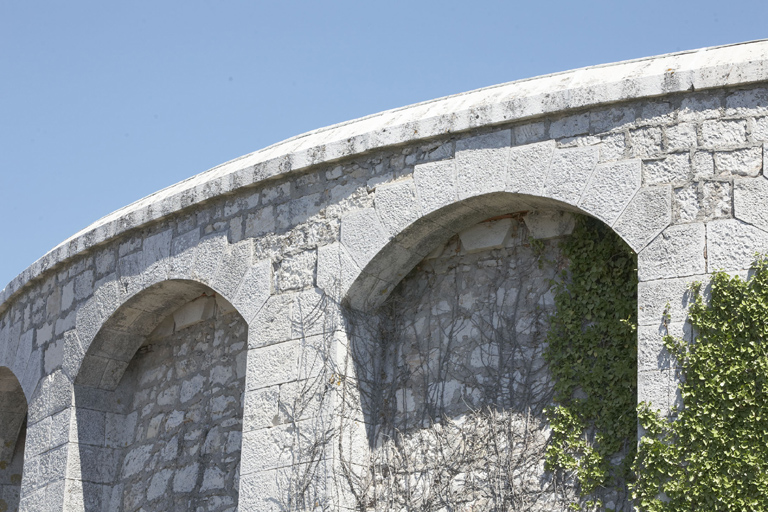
646, 142
485, 236
312, 314
653, 387
718, 134
681, 137
363, 235
209, 253
264, 491
260, 408
528, 167
740, 162
336, 271
732, 245
397, 206
271, 365
569, 126
91, 426
120, 429
651, 352
749, 201
268, 448
667, 300
112, 374
674, 168
38, 434
272, 323
303, 400
481, 163
254, 290
232, 270
54, 394
296, 272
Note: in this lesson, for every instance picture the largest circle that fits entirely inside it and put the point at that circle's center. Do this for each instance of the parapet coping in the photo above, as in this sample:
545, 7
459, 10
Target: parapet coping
707, 68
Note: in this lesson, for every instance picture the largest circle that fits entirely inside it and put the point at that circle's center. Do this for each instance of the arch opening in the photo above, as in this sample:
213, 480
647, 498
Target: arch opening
450, 367
391, 264
164, 431
13, 430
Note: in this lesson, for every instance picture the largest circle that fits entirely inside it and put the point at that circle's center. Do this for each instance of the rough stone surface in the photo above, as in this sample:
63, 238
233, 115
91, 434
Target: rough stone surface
481, 163
179, 406
732, 245
484, 236
749, 196
337, 217
677, 252
545, 224
528, 166
569, 173
610, 189
463, 333
741, 162
645, 216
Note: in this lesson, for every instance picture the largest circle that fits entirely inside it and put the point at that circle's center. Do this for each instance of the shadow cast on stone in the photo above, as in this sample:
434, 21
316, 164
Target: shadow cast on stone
165, 433
451, 374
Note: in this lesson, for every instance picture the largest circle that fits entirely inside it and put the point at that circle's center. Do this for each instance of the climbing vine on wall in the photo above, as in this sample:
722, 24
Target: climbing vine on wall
713, 453
592, 356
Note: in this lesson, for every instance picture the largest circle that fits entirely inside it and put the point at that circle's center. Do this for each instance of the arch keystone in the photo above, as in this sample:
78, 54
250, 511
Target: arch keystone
435, 184
528, 167
481, 163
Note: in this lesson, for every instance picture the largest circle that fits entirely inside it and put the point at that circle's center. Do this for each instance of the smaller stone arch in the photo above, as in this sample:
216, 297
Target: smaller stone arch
159, 401
126, 330
13, 419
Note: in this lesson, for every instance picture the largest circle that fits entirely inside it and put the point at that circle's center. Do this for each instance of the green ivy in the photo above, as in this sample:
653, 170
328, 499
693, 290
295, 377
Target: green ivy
713, 453
592, 356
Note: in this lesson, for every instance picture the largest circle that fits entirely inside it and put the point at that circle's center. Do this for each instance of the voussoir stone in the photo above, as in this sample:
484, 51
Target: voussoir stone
646, 215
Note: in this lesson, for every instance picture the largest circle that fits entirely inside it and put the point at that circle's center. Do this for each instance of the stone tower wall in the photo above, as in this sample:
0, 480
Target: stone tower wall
305, 237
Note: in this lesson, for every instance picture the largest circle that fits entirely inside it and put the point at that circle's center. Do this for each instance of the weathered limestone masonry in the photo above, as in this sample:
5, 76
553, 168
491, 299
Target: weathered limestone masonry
465, 383
284, 258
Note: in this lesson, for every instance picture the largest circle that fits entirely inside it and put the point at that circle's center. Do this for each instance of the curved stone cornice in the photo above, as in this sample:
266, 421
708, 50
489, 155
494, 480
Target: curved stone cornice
725, 66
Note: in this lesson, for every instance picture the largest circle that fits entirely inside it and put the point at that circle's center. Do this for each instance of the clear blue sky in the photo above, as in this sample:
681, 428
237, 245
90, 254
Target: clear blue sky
102, 103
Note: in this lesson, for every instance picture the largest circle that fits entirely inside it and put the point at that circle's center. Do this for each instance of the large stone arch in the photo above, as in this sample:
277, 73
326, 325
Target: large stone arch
377, 246
13, 430
487, 177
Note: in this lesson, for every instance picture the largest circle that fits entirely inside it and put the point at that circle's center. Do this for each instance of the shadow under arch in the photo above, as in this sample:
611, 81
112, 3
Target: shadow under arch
13, 418
424, 347
159, 403
385, 270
